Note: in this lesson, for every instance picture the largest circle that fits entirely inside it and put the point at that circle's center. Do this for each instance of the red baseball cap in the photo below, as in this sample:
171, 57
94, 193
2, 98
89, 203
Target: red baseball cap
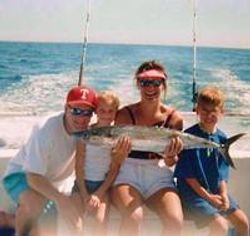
81, 95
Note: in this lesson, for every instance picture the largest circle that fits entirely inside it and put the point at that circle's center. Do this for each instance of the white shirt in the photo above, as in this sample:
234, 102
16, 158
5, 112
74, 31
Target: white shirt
97, 162
48, 152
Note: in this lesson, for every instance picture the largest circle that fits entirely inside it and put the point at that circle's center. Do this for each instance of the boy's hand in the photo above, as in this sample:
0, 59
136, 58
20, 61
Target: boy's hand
215, 200
225, 202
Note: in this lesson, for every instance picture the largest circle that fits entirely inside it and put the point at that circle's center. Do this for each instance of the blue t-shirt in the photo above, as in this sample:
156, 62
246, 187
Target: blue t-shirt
206, 165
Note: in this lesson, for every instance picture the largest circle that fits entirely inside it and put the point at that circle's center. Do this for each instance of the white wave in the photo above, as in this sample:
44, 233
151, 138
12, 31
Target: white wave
126, 91
38, 93
236, 90
14, 130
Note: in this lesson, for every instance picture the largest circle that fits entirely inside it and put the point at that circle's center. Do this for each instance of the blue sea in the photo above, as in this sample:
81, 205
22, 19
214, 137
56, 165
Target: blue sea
34, 77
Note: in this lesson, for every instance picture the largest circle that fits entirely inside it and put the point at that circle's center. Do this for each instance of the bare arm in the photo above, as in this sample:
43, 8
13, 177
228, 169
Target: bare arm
118, 154
176, 121
123, 117
79, 169
224, 195
111, 175
214, 199
64, 204
176, 144
195, 185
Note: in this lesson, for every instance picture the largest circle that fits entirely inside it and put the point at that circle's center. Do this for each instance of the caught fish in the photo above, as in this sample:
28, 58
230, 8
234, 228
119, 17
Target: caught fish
152, 139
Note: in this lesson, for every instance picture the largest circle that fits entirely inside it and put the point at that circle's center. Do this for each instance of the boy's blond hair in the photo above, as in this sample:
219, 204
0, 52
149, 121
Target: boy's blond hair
211, 95
109, 97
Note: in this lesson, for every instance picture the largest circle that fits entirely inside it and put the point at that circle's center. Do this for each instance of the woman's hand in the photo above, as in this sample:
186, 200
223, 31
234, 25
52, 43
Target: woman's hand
120, 150
172, 150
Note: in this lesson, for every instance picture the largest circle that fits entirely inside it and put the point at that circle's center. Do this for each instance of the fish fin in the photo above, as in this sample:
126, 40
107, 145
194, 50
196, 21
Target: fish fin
225, 148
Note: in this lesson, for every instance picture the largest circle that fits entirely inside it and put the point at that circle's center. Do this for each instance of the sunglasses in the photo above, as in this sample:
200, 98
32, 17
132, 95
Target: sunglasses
80, 112
147, 83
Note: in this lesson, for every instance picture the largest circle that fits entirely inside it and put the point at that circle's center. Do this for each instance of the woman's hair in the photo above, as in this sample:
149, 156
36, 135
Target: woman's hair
211, 95
109, 97
152, 65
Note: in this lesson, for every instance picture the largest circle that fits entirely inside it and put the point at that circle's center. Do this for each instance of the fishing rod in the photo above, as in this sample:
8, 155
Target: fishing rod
85, 43
194, 89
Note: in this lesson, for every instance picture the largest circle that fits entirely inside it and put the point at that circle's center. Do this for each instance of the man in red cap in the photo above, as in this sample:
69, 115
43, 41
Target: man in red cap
39, 175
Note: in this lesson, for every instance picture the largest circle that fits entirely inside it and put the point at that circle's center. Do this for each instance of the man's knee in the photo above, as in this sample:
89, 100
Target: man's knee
31, 204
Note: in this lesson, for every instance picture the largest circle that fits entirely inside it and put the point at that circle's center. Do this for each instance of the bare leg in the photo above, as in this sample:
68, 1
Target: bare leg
218, 226
100, 228
166, 203
240, 221
129, 203
29, 209
79, 230
7, 220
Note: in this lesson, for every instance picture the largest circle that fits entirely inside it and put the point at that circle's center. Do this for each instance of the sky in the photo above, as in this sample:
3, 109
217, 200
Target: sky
220, 23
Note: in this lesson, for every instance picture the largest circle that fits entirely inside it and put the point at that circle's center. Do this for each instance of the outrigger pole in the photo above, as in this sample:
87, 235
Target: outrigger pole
85, 43
194, 98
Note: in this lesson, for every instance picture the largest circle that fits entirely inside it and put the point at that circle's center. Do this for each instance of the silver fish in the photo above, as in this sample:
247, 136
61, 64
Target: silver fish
152, 139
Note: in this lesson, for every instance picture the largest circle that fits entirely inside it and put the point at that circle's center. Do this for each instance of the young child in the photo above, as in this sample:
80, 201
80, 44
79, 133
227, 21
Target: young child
96, 167
202, 174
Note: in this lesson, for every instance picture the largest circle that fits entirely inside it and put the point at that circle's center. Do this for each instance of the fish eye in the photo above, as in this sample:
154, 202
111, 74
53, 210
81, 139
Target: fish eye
94, 132
85, 135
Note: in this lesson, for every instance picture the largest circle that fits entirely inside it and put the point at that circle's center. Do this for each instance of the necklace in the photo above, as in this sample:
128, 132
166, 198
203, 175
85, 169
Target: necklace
209, 134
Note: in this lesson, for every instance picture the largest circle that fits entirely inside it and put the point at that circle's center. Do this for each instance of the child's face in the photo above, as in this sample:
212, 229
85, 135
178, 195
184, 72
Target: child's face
209, 115
105, 113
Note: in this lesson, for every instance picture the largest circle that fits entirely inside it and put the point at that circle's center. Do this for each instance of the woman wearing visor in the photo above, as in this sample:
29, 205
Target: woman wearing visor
144, 177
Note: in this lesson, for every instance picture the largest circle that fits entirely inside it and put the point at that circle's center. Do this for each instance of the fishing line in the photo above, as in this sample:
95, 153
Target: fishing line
85, 43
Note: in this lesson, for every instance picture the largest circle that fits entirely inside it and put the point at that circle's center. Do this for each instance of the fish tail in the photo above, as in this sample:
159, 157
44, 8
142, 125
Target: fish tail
225, 148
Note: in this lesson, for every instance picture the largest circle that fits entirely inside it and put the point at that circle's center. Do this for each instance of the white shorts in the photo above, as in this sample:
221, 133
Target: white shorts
147, 176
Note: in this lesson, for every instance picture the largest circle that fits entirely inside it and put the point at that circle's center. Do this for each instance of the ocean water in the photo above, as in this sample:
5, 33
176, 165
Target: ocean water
34, 77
